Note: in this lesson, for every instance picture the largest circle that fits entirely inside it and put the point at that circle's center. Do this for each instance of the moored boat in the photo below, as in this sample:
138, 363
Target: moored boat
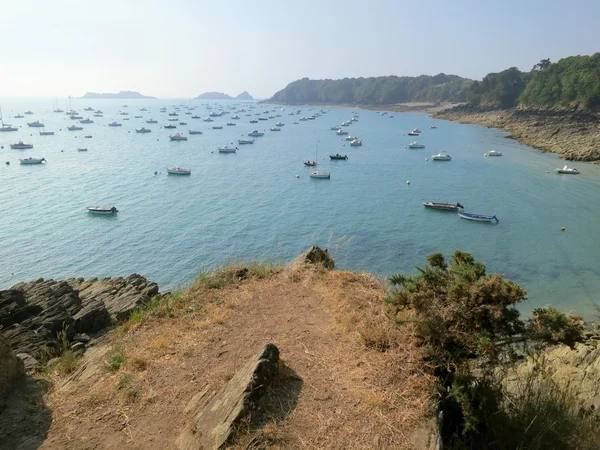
74, 128
442, 156
275, 129
493, 153
245, 141
102, 209
177, 137
341, 132
195, 132
179, 171
443, 206
569, 171
46, 133
35, 124
31, 160
227, 149
256, 133
477, 217
356, 143
21, 146
320, 175
114, 124
310, 163
415, 145
337, 156
143, 130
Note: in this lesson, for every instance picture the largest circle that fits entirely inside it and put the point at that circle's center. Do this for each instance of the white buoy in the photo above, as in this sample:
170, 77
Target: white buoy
297, 176
407, 181
426, 159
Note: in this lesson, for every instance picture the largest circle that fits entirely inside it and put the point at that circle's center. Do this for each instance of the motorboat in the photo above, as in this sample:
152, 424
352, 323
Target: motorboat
177, 137
195, 116
182, 123
337, 156
309, 163
89, 108
442, 156
195, 132
356, 143
86, 121
82, 149
215, 114
208, 119
19, 116
256, 133
36, 124
231, 124
21, 146
138, 117
28, 112
75, 117
174, 119
179, 171
350, 138
245, 141
236, 117
280, 124
320, 175
412, 133
567, 170
443, 206
493, 153
262, 118
303, 119
114, 124
170, 126
335, 128
46, 133
98, 115
174, 114
143, 130
102, 209
227, 149
275, 129
31, 160
217, 127
6, 127
341, 132
151, 121
254, 121
415, 145
417, 130
74, 128
88, 137
477, 217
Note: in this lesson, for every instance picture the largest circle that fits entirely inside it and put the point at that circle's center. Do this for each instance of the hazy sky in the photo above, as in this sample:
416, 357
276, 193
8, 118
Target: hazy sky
181, 48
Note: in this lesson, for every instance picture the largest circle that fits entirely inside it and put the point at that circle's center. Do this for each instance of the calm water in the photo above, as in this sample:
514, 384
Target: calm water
251, 206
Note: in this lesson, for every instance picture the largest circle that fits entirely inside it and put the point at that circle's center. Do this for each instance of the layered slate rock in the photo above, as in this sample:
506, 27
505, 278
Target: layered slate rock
216, 417
11, 367
315, 255
35, 315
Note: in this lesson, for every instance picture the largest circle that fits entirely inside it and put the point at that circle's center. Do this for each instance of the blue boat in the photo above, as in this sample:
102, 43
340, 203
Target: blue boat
477, 217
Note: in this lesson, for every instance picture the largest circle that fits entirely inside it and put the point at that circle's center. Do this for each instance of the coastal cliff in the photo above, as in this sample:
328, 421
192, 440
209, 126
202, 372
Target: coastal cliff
573, 134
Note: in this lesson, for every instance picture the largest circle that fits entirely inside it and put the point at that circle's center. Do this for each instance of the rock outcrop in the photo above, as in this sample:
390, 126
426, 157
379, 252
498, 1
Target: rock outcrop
216, 417
11, 367
314, 255
33, 314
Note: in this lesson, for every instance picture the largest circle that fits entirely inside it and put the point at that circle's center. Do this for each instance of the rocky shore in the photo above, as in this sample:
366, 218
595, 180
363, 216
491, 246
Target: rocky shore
574, 135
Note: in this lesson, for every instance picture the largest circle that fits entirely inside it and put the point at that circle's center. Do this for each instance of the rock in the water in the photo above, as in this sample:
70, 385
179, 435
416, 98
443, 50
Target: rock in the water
214, 423
315, 255
30, 362
11, 367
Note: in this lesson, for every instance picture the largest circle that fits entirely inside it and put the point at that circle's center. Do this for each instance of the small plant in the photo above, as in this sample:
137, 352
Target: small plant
65, 364
131, 394
138, 364
125, 380
115, 358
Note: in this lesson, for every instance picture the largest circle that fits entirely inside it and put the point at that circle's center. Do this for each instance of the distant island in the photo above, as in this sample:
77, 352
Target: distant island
122, 94
221, 96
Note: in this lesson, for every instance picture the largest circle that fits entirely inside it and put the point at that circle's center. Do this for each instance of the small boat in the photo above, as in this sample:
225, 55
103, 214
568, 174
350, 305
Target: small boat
82, 149
280, 124
208, 119
179, 171
88, 137
75, 117
217, 127
98, 115
236, 117
177, 137
477, 217
19, 116
245, 141
114, 124
227, 149
28, 112
30, 160
21, 146
46, 133
6, 127
356, 143
143, 130
74, 128
320, 175
151, 121
493, 153
310, 163
102, 209
195, 132
442, 156
335, 128
337, 156
173, 114
173, 120
565, 170
256, 133
254, 121
417, 130
341, 132
412, 133
36, 124
443, 206
170, 126
182, 123
88, 120
350, 138
275, 129
89, 108
195, 116
262, 118
138, 117
415, 145
231, 124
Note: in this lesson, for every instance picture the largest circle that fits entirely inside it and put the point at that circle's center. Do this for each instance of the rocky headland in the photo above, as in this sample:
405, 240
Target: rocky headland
573, 134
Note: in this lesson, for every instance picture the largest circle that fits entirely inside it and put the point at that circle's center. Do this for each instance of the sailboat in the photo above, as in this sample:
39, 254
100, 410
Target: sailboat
433, 125
56, 108
319, 174
46, 133
6, 127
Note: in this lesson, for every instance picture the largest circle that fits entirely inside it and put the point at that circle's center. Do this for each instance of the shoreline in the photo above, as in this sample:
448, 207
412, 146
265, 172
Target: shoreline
410, 107
573, 135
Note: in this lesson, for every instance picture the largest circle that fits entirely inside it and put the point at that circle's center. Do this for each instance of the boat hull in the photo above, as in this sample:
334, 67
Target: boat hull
477, 217
442, 206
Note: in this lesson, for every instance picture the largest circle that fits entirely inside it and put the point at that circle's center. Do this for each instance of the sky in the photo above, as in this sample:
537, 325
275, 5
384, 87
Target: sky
182, 48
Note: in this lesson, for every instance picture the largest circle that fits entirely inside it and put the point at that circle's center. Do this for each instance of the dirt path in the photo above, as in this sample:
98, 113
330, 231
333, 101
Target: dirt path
337, 392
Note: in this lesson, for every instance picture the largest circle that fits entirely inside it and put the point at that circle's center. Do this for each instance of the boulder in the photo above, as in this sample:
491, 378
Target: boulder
317, 256
215, 421
11, 367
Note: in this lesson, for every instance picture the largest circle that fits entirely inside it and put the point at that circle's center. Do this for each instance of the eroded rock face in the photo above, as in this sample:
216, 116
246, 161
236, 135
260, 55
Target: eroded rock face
217, 416
11, 367
33, 314
315, 255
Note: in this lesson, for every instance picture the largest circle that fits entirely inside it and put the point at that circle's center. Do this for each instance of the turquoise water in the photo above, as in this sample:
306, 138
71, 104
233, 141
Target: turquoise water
251, 206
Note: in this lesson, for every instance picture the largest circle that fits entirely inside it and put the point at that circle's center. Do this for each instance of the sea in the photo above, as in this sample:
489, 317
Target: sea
259, 204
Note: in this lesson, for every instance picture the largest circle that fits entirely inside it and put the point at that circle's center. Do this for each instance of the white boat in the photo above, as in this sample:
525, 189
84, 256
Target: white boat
217, 127
319, 174
413, 133
151, 121
356, 143
177, 137
114, 124
245, 141
567, 170
236, 117
256, 133
477, 217
28, 112
102, 209
493, 153
6, 127
89, 108
416, 130
231, 124
208, 119
36, 124
30, 160
82, 149
142, 130
46, 133
195, 132
350, 138
442, 156
280, 124
179, 171
341, 132
415, 145
88, 120
227, 149
275, 129
74, 128
21, 146
335, 128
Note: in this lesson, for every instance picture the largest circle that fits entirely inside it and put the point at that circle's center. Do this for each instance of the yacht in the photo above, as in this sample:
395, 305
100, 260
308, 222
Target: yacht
7, 127
170, 126
493, 153
275, 129
245, 141
177, 137
74, 128
320, 175
195, 132
350, 138
21, 146
102, 209
114, 124
236, 117
142, 130
567, 170
341, 132
196, 116
256, 133
442, 156
88, 120
208, 119
151, 121
415, 145
217, 127
335, 128
231, 124
89, 108
356, 143
46, 133
179, 171
227, 149
279, 124
28, 112
31, 160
